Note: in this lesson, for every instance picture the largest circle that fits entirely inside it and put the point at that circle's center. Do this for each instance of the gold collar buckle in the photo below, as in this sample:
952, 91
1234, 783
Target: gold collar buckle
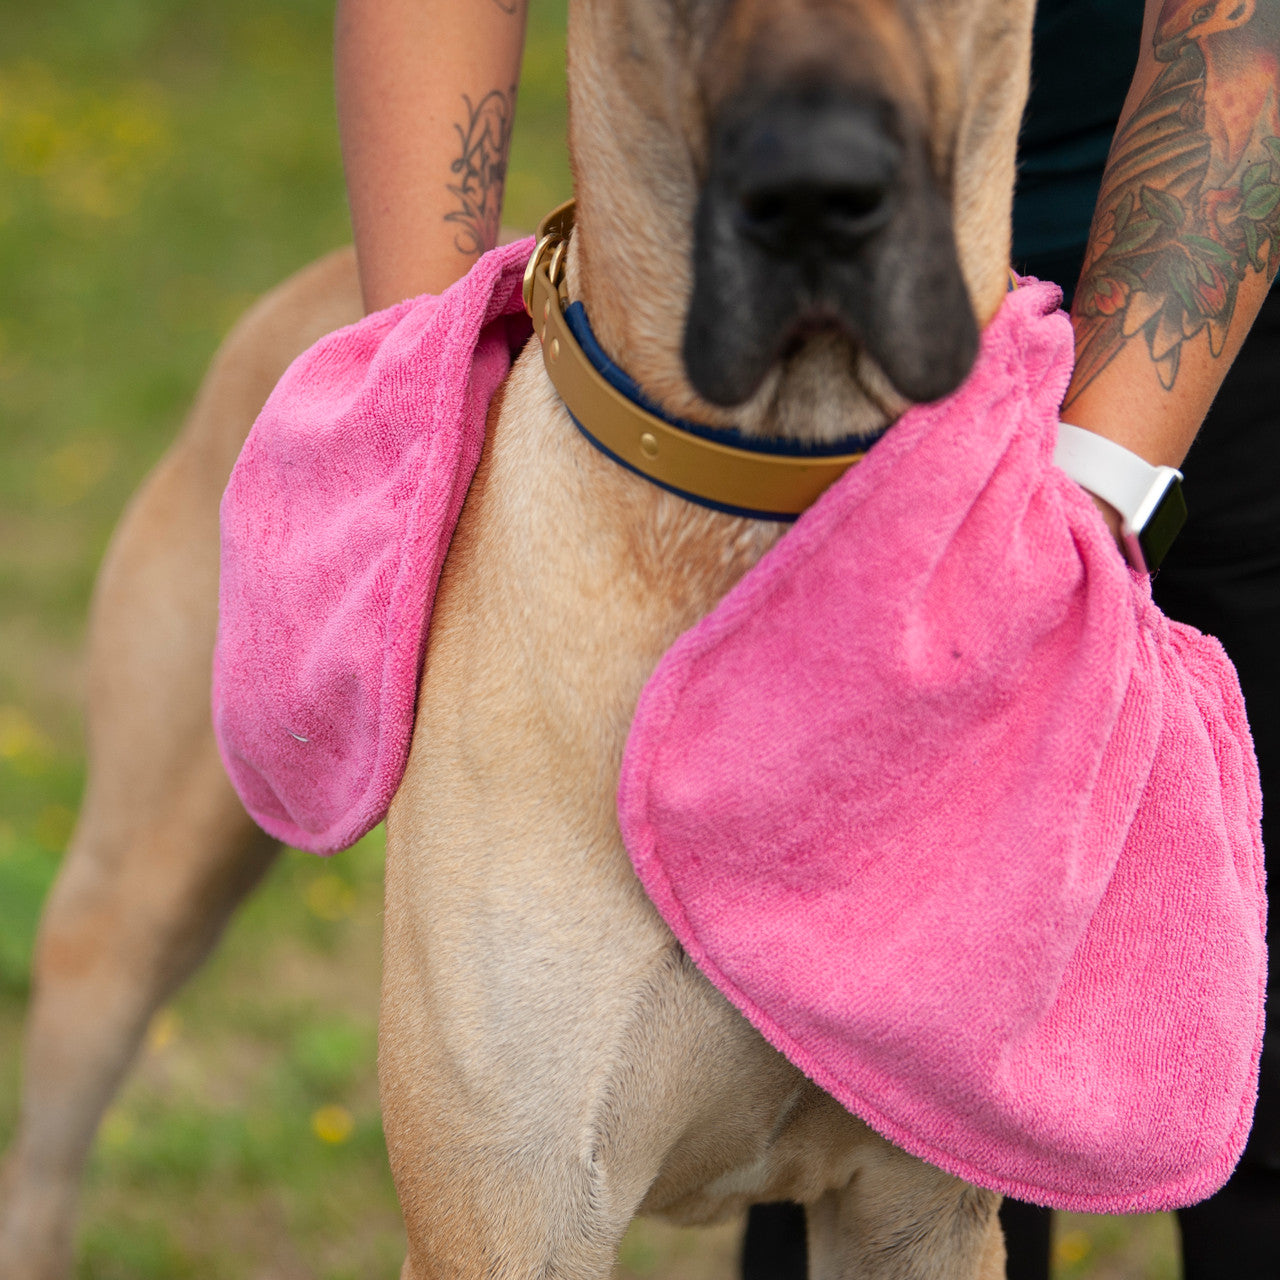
549, 252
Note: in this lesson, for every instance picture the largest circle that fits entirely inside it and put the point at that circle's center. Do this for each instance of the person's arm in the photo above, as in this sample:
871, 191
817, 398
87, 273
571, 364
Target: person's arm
1186, 235
426, 97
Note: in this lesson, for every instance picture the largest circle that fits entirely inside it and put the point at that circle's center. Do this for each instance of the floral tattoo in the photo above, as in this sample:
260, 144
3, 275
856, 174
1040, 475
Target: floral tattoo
1190, 200
480, 170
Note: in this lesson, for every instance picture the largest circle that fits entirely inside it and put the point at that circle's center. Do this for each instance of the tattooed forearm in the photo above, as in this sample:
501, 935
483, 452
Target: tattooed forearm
1190, 200
480, 170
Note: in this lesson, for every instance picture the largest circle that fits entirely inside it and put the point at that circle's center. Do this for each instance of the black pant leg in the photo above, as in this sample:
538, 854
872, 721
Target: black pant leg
1027, 1228
1223, 577
774, 1245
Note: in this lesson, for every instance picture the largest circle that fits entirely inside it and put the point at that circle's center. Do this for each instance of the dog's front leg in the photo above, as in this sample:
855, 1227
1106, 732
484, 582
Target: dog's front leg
900, 1219
520, 1119
163, 851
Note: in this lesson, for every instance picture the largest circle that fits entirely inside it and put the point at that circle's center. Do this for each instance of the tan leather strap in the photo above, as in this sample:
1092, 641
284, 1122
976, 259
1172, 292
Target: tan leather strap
773, 485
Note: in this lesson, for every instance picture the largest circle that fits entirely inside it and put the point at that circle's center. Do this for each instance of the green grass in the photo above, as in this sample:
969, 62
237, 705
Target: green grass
162, 163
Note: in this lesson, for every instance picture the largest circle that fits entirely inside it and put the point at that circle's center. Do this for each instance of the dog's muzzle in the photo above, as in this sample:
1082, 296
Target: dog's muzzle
820, 212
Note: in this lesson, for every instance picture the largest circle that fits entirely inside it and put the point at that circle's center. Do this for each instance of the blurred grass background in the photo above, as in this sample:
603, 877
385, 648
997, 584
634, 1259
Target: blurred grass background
161, 163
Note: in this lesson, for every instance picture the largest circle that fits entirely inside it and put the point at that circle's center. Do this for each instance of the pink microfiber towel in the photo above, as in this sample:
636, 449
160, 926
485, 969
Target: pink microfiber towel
962, 823
335, 524
936, 796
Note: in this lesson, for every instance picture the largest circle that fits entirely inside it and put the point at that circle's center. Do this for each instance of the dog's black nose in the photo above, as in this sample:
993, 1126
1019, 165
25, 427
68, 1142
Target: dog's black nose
809, 176
821, 210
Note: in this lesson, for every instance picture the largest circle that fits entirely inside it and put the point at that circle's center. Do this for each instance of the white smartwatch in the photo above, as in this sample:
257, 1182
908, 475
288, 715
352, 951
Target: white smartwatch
1149, 499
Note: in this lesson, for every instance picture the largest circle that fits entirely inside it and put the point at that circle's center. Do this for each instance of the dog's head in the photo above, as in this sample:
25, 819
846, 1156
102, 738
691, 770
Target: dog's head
793, 215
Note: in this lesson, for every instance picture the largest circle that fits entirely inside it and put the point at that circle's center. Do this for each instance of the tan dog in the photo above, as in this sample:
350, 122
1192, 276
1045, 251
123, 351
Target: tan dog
551, 1062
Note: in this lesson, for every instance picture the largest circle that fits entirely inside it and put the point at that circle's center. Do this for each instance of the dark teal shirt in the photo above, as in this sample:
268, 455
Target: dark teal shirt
1083, 57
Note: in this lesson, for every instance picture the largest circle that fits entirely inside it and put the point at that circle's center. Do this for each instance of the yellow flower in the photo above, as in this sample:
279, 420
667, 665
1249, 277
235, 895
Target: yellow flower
332, 1124
330, 898
163, 1030
1072, 1247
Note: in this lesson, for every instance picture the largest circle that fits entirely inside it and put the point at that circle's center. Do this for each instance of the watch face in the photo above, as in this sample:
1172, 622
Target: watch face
1157, 535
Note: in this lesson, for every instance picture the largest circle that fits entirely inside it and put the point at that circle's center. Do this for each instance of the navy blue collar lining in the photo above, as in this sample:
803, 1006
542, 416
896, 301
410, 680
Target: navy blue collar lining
783, 517
576, 318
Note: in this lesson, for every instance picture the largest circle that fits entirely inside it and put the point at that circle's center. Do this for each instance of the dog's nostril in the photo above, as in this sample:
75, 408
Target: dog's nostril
807, 216
765, 209
851, 205
805, 219
807, 208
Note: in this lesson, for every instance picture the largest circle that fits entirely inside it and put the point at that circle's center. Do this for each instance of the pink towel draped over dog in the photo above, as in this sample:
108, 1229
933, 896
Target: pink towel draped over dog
335, 523
936, 796
962, 822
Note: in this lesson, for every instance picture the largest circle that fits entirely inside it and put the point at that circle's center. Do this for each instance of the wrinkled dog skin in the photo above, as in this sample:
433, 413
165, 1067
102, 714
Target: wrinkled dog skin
793, 216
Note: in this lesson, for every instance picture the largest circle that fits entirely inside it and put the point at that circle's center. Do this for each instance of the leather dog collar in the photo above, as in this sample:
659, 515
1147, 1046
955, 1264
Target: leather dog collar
769, 480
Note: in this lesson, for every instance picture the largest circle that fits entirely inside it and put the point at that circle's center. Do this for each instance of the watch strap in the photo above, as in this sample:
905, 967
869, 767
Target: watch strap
1148, 498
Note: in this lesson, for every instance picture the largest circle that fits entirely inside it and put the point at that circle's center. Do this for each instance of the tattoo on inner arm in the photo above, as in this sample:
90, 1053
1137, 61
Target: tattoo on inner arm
1190, 200
480, 170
